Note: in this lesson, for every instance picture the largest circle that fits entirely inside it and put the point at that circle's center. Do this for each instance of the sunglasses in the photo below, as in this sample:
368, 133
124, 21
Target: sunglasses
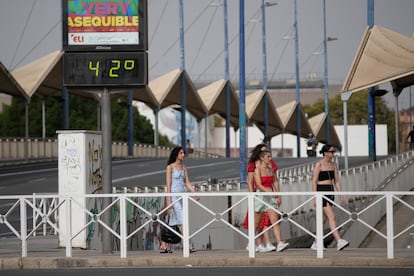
331, 151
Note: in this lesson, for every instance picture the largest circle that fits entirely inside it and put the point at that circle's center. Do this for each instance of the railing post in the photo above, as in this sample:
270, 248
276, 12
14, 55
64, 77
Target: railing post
23, 226
122, 225
186, 240
390, 226
319, 225
251, 223
34, 214
45, 201
68, 226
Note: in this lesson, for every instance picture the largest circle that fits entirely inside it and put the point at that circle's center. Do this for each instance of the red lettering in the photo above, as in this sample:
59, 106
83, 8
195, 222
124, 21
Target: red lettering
78, 38
87, 8
100, 8
124, 7
105, 8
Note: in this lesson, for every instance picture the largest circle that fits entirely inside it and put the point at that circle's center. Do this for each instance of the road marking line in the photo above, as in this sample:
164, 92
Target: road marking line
163, 171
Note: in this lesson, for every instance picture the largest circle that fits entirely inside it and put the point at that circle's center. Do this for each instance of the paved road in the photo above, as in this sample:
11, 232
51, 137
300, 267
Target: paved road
43, 177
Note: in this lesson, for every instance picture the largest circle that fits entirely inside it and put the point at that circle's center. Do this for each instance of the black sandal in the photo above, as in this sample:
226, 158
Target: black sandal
165, 251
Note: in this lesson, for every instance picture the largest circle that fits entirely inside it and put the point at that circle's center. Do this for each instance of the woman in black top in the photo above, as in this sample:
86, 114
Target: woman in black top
325, 178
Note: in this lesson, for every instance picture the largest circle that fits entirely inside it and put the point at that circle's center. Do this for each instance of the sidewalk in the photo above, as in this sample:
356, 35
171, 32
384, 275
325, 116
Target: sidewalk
43, 253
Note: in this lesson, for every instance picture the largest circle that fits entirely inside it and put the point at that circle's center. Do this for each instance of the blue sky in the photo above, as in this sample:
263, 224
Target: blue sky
30, 29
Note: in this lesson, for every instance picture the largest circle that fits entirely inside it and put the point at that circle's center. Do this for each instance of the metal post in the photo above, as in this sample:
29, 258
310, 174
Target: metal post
123, 225
106, 167
264, 71
345, 98
26, 134
411, 112
226, 77
371, 97
397, 137
65, 96
43, 118
182, 68
242, 97
186, 226
23, 226
298, 126
251, 223
130, 126
156, 129
390, 226
325, 82
205, 134
319, 225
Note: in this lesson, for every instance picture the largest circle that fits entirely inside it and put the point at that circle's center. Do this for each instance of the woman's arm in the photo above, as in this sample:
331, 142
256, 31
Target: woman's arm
250, 178
168, 183
276, 188
188, 182
316, 170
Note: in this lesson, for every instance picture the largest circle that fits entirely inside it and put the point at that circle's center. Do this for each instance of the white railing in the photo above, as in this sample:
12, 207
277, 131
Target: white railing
214, 220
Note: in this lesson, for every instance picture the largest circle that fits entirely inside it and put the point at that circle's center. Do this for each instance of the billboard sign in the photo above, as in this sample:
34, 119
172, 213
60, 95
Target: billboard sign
104, 25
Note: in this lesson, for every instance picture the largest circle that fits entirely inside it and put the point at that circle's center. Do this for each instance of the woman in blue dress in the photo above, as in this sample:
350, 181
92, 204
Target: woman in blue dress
177, 181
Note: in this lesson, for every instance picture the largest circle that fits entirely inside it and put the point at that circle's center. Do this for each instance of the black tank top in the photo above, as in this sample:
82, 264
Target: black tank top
326, 175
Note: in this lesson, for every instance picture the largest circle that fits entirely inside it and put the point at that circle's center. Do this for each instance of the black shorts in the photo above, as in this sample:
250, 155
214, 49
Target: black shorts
326, 188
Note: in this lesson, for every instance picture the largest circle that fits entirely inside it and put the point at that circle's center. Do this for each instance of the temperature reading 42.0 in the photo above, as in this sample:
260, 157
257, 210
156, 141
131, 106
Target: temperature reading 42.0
105, 68
115, 66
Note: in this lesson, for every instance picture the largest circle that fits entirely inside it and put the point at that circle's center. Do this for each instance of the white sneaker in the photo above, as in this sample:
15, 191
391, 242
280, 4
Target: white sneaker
282, 246
260, 248
341, 244
270, 247
315, 246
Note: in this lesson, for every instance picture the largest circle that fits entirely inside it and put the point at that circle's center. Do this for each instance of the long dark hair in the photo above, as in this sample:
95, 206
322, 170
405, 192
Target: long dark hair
254, 155
173, 155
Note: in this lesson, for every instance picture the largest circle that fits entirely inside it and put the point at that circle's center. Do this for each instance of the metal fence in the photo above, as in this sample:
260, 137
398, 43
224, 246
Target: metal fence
123, 203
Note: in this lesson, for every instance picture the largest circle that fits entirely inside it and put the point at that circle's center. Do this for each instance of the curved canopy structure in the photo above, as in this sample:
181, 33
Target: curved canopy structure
214, 99
255, 105
42, 76
383, 56
9, 85
319, 123
167, 91
288, 114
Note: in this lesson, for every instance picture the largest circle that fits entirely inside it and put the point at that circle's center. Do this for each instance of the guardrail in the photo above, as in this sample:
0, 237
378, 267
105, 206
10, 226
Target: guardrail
215, 221
37, 148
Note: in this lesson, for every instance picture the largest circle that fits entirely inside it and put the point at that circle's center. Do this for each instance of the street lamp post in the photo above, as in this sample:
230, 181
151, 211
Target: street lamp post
226, 71
298, 127
325, 82
264, 70
182, 79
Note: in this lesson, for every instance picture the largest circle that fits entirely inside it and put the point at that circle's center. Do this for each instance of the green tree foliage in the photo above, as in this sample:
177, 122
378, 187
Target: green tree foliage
83, 114
357, 113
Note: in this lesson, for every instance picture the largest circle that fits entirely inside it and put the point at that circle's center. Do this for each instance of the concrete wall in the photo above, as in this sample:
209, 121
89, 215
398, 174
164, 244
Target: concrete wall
357, 140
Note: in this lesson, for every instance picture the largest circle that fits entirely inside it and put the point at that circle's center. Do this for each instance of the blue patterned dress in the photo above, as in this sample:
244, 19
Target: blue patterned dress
177, 186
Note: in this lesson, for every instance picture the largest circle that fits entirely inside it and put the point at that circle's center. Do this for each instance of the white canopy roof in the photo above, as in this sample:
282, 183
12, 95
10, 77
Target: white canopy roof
383, 56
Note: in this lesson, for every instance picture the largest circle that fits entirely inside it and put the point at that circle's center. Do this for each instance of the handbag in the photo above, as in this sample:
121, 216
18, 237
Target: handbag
169, 236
